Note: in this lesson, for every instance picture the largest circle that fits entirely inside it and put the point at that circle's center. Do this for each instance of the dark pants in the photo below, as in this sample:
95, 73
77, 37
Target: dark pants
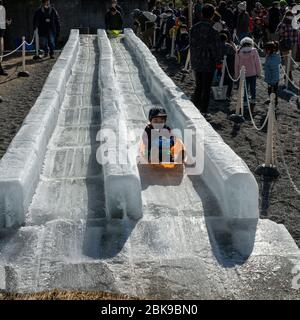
183, 56
251, 89
202, 91
228, 82
48, 43
274, 89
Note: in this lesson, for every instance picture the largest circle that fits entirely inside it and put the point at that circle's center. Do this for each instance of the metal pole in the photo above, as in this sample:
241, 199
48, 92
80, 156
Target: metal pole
173, 44
37, 45
190, 23
238, 116
165, 36
288, 68
23, 73
188, 60
23, 55
268, 169
185, 70
154, 35
269, 149
240, 102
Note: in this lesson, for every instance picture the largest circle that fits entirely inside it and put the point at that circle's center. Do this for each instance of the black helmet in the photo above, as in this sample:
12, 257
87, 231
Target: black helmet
157, 112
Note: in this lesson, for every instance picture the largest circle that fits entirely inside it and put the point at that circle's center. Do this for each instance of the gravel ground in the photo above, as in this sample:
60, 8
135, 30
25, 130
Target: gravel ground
281, 200
66, 295
19, 95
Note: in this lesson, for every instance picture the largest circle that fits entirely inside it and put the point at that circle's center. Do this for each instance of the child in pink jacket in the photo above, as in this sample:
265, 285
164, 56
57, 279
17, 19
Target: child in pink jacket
248, 56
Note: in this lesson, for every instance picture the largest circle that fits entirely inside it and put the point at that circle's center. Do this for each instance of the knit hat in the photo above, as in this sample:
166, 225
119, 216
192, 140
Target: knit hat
243, 6
247, 40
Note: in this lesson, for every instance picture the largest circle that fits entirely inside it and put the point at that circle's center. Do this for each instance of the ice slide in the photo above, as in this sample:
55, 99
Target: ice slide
180, 236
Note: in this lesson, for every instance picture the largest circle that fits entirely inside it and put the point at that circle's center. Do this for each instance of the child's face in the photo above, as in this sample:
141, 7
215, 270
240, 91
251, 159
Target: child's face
158, 123
158, 120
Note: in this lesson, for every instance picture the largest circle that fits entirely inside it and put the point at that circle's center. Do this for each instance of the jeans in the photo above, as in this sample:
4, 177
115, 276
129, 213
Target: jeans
48, 43
228, 82
202, 91
251, 89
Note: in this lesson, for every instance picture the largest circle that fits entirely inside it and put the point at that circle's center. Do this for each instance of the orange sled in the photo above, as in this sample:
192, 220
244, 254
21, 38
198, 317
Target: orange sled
176, 152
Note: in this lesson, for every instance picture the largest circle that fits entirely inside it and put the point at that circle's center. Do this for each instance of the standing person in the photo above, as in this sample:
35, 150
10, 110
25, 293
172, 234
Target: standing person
272, 69
206, 53
288, 39
226, 14
228, 49
46, 19
243, 21
114, 4
257, 11
274, 18
113, 21
219, 25
183, 43
170, 23
198, 11
151, 4
258, 32
248, 57
144, 22
157, 10
283, 7
172, 7
3, 22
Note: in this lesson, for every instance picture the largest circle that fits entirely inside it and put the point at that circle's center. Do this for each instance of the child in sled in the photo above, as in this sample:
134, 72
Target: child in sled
159, 145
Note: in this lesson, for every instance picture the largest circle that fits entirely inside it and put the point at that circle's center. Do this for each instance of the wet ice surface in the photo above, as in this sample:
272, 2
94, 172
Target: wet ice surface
179, 249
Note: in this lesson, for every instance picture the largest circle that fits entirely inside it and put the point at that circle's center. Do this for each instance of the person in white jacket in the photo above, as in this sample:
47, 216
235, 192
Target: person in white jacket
3, 22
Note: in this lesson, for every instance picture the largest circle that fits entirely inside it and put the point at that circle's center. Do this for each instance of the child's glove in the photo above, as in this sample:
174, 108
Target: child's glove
219, 69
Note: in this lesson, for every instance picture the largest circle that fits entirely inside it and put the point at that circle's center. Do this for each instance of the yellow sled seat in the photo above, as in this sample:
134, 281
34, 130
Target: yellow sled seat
113, 33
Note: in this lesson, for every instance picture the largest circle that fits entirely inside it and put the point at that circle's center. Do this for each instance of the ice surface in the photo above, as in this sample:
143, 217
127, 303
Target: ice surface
182, 247
226, 175
122, 181
21, 166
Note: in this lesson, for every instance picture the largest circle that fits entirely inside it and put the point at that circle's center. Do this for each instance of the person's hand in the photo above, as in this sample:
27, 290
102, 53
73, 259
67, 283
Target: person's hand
219, 67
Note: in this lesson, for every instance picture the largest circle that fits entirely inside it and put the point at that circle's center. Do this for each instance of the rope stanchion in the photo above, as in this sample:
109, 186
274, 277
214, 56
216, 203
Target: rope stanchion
37, 45
288, 69
238, 117
154, 36
23, 73
297, 190
250, 113
165, 37
268, 169
32, 41
172, 55
190, 14
12, 52
186, 68
295, 62
290, 80
230, 76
